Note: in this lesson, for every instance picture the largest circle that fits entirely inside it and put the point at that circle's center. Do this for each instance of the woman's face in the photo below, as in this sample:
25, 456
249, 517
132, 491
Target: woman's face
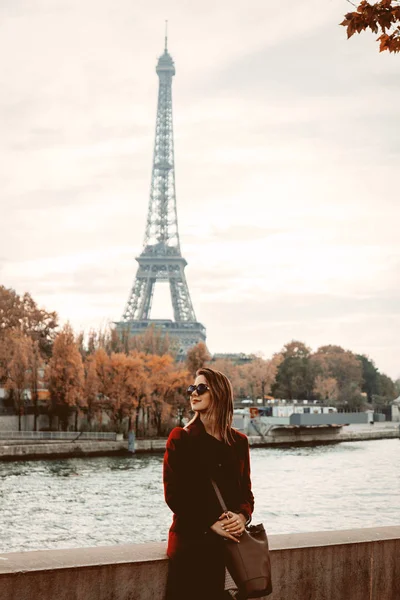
200, 403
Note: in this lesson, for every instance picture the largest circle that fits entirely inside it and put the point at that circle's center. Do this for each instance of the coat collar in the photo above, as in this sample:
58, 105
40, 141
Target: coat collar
196, 428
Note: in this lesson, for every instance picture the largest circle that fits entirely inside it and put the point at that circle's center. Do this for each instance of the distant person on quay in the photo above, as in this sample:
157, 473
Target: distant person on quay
206, 448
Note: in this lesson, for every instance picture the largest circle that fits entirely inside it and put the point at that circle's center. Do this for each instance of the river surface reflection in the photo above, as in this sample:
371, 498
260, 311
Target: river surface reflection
99, 501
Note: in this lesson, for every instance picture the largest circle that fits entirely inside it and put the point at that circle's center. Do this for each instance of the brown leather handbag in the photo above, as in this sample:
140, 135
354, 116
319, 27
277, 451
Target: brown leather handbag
248, 562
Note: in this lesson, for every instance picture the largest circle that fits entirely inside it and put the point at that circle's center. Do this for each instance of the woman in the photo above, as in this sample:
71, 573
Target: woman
207, 448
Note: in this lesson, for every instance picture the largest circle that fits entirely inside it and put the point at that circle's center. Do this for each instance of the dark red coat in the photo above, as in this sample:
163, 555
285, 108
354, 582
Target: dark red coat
191, 459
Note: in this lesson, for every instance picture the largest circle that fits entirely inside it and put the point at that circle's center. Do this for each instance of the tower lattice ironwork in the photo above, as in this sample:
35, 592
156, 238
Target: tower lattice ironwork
161, 258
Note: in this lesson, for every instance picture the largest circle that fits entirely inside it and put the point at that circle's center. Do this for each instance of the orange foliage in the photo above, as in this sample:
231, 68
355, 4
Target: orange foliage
21, 313
136, 385
118, 381
326, 388
127, 383
232, 371
35, 362
90, 399
17, 369
20, 361
65, 375
153, 341
197, 357
167, 382
333, 362
260, 374
383, 17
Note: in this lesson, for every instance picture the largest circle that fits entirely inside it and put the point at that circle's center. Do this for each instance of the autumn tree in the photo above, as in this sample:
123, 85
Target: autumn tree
5, 355
167, 383
21, 313
35, 363
295, 375
102, 384
326, 388
125, 373
80, 342
65, 377
110, 340
102, 363
260, 375
17, 371
140, 386
91, 399
380, 17
152, 341
92, 343
16, 347
122, 385
143, 388
233, 373
333, 362
197, 357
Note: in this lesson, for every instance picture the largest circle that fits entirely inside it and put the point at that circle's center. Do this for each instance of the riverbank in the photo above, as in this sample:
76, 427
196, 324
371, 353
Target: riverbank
279, 436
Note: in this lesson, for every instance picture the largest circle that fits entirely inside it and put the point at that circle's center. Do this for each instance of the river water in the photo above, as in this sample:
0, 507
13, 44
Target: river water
99, 501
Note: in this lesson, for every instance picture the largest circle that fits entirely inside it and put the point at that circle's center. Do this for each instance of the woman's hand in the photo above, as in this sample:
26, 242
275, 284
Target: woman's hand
233, 523
219, 527
230, 525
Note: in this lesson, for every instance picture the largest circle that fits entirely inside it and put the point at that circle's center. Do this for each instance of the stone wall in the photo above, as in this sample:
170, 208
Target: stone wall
358, 564
11, 450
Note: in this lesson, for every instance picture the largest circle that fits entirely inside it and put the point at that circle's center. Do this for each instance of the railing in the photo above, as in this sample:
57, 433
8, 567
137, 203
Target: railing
57, 435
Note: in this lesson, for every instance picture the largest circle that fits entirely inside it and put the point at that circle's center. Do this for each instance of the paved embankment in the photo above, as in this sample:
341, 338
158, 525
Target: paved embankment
377, 431
23, 450
280, 436
60, 449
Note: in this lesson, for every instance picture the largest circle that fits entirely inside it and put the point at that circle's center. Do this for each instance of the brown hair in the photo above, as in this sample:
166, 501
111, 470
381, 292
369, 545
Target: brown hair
221, 406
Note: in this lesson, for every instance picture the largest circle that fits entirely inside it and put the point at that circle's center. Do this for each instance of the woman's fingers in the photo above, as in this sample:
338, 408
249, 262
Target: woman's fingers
233, 526
229, 536
237, 532
231, 521
220, 530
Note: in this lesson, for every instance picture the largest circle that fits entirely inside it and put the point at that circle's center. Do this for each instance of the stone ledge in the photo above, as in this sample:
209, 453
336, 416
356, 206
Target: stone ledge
74, 558
43, 560
355, 564
338, 537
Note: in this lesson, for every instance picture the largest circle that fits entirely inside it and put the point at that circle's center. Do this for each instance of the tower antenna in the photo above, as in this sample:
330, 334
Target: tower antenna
166, 36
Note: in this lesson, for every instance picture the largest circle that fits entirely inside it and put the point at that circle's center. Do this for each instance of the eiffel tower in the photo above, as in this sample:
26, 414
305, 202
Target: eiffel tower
161, 258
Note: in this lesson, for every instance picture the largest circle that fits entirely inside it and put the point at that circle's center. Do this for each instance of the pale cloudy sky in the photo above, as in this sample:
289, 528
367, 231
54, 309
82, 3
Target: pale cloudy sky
287, 163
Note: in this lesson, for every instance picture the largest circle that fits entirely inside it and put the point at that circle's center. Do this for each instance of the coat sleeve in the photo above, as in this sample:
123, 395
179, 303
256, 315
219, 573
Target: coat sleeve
180, 495
247, 504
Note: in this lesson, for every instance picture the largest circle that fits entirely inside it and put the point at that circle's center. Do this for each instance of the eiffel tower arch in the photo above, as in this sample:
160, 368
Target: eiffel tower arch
161, 258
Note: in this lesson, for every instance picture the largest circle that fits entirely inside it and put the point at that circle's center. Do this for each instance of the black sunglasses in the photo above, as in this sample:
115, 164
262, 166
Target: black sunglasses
202, 388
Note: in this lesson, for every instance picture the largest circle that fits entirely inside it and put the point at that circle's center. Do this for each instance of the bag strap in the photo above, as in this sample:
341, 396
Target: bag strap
219, 496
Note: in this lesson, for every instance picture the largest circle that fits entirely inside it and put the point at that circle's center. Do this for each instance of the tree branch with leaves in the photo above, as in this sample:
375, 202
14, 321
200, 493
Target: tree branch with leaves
382, 17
